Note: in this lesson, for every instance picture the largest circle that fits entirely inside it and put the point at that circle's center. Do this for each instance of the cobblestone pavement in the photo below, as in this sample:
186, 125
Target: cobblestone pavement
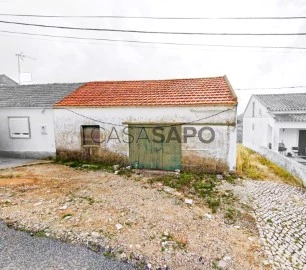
280, 211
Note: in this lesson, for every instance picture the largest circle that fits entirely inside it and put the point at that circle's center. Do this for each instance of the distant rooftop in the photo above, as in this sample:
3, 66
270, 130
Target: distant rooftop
284, 102
36, 95
290, 117
6, 81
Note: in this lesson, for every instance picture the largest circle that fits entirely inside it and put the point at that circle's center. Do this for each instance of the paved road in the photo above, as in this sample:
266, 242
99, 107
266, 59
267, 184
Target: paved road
19, 250
13, 162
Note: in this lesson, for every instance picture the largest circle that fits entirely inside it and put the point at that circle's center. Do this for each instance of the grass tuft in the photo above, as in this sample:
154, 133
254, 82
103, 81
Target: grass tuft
253, 165
204, 186
199, 165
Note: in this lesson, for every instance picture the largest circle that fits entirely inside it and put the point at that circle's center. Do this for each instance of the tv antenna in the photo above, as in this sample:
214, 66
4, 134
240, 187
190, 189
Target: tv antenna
21, 56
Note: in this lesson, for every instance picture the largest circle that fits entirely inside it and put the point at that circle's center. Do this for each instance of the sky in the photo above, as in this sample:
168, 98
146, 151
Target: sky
65, 60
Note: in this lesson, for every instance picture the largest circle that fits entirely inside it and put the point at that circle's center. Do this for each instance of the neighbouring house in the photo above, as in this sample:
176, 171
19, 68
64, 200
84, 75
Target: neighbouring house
157, 124
276, 121
275, 126
27, 120
6, 81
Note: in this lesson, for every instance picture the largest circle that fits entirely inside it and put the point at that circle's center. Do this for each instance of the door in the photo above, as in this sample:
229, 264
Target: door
155, 146
302, 142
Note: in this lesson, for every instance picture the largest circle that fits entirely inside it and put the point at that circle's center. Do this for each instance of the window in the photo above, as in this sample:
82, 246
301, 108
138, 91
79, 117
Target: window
90, 135
19, 127
253, 109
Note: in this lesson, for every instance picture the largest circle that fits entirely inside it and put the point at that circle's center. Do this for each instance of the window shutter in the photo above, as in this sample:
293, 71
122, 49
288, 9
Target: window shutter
19, 127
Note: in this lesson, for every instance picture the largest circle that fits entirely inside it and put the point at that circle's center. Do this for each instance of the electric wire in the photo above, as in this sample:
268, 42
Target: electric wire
155, 17
151, 32
155, 42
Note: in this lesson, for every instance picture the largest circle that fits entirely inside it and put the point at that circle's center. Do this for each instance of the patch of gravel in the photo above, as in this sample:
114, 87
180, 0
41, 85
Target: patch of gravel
125, 218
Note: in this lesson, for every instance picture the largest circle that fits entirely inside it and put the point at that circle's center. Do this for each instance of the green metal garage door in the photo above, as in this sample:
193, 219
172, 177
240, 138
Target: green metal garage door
155, 147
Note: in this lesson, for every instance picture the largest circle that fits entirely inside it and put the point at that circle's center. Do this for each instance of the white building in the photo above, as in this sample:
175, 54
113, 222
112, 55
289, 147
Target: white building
27, 119
154, 123
277, 122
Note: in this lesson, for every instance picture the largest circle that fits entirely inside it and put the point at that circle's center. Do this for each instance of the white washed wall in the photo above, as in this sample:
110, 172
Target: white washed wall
286, 132
38, 145
255, 128
68, 131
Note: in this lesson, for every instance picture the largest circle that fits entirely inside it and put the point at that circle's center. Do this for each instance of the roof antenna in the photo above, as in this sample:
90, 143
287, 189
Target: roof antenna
21, 56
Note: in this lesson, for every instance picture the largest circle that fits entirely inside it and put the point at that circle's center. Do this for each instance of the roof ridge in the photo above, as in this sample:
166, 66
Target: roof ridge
38, 84
154, 80
283, 94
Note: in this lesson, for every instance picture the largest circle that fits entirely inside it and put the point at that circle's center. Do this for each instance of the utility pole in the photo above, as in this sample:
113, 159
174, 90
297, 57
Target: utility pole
21, 56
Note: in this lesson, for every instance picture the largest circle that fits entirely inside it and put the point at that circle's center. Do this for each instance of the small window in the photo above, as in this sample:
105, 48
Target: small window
90, 135
19, 127
253, 109
253, 126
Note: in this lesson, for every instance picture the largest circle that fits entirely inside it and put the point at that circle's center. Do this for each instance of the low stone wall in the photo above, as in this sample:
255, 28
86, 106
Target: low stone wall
288, 164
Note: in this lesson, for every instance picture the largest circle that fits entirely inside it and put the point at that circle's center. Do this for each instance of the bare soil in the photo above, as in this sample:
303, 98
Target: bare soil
158, 229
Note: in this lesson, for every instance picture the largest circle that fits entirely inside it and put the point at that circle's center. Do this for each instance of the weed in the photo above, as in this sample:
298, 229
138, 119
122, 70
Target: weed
96, 156
109, 254
128, 223
213, 203
232, 214
39, 234
200, 165
252, 165
282, 173
204, 188
90, 200
214, 265
66, 215
183, 180
202, 185
8, 176
270, 221
124, 172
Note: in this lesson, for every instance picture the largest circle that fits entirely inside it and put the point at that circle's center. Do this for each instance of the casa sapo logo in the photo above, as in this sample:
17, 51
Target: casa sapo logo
153, 134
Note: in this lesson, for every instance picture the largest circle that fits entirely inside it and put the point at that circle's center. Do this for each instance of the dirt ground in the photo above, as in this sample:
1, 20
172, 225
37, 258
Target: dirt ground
124, 217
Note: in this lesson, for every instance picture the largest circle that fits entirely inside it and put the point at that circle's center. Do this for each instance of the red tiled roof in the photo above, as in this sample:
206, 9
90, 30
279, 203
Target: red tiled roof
205, 91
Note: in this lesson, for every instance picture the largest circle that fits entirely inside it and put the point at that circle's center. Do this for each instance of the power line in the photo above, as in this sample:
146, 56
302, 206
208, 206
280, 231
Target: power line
156, 42
271, 88
151, 32
155, 17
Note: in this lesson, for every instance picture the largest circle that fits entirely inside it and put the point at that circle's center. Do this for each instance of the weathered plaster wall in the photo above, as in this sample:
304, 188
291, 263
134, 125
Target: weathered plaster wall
38, 145
68, 127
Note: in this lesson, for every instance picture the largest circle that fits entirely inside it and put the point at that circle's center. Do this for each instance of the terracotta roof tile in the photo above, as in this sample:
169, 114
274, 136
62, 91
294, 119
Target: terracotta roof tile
216, 90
